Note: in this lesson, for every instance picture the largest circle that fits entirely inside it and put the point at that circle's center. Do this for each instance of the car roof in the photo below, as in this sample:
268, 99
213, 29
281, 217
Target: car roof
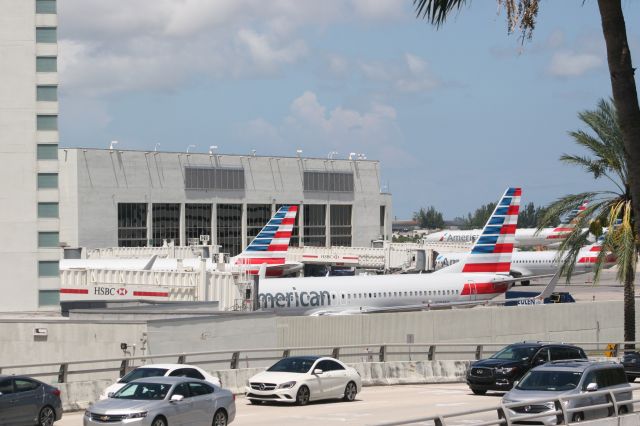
577, 365
167, 379
527, 344
167, 366
305, 357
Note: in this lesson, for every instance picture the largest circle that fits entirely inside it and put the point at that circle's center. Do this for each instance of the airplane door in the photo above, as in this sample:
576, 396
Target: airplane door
473, 291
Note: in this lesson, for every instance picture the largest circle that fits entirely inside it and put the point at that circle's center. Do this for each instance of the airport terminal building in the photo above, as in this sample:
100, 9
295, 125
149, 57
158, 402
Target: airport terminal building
111, 198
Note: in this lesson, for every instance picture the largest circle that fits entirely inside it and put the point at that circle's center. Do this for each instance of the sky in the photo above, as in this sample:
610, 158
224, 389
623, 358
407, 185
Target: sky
454, 115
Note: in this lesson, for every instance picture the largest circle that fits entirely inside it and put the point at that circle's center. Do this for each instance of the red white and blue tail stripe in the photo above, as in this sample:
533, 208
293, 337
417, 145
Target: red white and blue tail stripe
492, 251
568, 224
272, 242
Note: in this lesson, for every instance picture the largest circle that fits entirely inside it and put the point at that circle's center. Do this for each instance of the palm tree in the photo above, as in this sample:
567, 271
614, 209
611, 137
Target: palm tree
609, 212
522, 14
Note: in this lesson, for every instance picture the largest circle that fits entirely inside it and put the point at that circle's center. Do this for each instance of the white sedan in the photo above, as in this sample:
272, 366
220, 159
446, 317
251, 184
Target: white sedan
300, 379
158, 370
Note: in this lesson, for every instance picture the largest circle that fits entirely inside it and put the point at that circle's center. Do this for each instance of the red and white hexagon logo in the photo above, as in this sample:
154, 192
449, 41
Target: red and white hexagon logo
122, 291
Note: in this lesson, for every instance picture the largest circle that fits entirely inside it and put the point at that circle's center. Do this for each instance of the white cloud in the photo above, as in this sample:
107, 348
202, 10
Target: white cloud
572, 64
411, 76
119, 45
317, 129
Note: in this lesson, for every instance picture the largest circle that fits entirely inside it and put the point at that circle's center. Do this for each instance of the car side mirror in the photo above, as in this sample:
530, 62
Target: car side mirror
592, 387
176, 398
317, 371
110, 394
0, 393
539, 361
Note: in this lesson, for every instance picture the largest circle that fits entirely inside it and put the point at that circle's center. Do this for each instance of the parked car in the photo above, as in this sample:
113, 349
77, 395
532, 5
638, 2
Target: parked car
155, 370
163, 401
631, 363
561, 378
502, 369
27, 401
300, 379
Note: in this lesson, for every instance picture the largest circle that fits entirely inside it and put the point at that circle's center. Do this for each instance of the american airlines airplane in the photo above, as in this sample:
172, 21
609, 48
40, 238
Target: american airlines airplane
531, 263
527, 237
480, 276
268, 247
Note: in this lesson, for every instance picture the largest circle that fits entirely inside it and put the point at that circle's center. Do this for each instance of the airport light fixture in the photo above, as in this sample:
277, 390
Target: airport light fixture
112, 145
189, 147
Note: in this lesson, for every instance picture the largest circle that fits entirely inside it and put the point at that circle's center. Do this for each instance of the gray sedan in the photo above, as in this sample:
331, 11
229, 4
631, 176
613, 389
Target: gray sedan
27, 401
163, 401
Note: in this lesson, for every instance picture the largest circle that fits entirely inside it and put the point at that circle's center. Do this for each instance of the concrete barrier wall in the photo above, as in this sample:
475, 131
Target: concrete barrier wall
569, 322
79, 395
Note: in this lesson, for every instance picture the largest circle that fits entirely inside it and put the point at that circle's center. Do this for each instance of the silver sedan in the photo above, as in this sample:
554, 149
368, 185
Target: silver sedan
163, 401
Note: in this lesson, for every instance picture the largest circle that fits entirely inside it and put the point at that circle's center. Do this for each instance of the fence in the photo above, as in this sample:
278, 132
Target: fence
558, 410
256, 357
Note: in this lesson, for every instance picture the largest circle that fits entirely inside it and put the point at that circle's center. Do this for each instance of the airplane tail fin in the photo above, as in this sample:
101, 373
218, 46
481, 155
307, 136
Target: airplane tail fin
568, 223
272, 242
493, 249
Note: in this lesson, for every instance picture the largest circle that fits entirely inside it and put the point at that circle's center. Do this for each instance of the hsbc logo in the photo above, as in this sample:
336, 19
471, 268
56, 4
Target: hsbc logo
110, 291
121, 291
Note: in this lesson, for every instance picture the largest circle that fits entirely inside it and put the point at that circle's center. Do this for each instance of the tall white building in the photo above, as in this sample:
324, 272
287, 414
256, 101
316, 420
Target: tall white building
29, 222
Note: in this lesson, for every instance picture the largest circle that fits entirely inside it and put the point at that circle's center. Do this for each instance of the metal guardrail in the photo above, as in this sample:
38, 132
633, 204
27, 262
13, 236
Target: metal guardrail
377, 352
504, 416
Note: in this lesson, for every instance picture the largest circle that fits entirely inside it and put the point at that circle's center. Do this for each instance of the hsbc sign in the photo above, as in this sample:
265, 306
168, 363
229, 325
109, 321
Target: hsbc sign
113, 292
109, 291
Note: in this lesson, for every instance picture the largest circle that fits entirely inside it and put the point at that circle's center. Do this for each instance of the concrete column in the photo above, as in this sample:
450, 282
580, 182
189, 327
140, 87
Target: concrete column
327, 225
183, 225
301, 224
214, 224
149, 223
243, 232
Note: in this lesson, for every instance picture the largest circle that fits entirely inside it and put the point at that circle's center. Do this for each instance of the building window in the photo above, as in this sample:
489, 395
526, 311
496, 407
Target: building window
48, 268
295, 234
47, 93
48, 210
257, 217
46, 64
48, 239
166, 224
229, 223
340, 217
213, 178
132, 225
383, 213
47, 122
48, 297
198, 221
47, 180
46, 35
314, 225
328, 181
46, 6
47, 151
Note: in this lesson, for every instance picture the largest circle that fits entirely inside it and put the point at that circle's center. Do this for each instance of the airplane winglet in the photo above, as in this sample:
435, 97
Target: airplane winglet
550, 287
149, 264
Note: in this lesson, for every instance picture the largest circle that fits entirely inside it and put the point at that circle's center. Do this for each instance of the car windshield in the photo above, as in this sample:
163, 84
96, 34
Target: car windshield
515, 353
143, 391
550, 380
141, 373
292, 365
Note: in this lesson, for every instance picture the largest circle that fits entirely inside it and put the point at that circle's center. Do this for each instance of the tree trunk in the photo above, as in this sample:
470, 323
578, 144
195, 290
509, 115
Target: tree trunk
625, 98
629, 309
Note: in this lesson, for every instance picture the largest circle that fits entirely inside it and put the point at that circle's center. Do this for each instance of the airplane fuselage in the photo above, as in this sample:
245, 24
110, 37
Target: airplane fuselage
527, 237
335, 295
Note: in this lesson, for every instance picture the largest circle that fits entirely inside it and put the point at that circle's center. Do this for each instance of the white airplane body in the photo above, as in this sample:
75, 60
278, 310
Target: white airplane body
525, 237
530, 263
480, 276
268, 247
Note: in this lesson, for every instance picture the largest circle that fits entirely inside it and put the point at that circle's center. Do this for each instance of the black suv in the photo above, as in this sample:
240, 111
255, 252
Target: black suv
509, 364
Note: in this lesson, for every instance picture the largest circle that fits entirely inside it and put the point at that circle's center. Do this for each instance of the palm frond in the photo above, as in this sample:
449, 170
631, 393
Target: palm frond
436, 11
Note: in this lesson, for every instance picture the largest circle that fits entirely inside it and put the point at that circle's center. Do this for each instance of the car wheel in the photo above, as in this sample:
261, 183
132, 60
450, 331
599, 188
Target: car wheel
623, 410
478, 391
578, 417
219, 418
159, 421
46, 417
350, 392
302, 397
